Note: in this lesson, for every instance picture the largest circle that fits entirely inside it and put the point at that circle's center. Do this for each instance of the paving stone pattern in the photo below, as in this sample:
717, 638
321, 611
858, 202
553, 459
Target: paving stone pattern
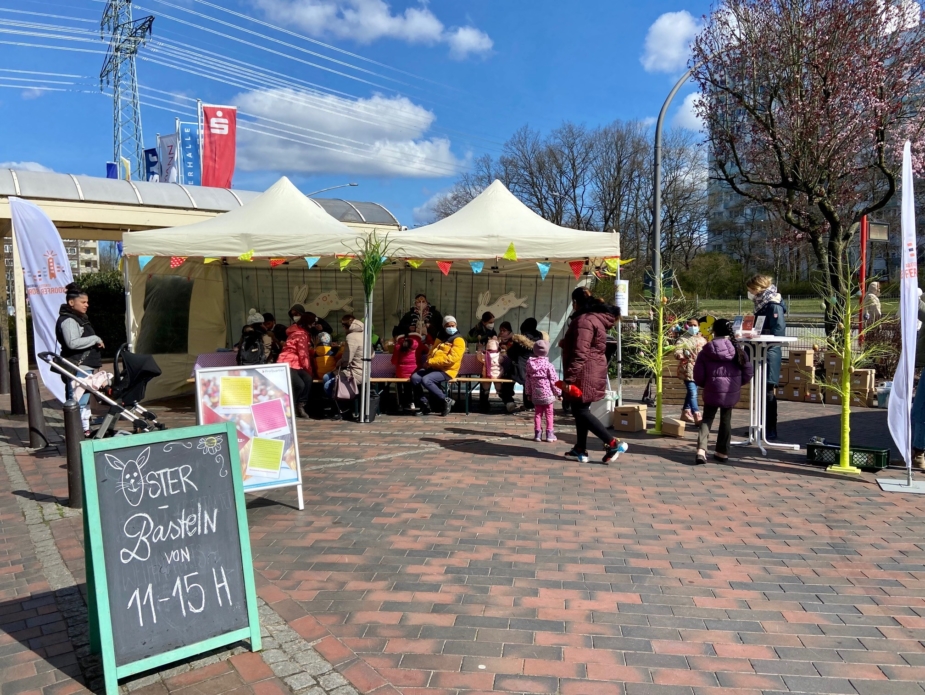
447, 556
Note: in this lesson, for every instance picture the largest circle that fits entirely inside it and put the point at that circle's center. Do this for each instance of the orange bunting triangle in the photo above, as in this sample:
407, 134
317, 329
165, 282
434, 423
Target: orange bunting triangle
177, 261
276, 261
445, 266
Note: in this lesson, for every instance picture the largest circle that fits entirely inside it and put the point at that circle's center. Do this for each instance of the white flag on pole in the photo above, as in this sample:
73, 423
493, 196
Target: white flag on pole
900, 407
47, 272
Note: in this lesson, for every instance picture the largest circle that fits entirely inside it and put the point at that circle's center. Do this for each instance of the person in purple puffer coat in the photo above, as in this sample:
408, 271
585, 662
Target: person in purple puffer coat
722, 368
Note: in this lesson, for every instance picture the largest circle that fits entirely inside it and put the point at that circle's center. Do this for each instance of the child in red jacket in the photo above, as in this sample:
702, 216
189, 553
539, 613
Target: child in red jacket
405, 358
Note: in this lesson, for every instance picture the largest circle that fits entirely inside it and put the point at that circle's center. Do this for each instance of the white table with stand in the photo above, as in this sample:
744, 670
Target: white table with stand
758, 402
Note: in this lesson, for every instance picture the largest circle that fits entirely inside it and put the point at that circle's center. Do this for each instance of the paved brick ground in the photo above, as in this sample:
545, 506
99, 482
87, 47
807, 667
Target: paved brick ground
457, 556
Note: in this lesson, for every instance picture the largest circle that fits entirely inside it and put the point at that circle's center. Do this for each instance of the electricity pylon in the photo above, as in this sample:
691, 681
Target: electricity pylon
125, 38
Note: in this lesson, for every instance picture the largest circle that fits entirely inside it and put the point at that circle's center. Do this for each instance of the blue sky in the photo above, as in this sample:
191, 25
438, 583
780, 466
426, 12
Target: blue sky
451, 80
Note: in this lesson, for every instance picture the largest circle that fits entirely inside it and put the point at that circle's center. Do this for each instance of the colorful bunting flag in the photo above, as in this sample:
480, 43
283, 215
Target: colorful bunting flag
445, 266
211, 260
177, 261
344, 262
543, 268
415, 264
311, 260
577, 267
143, 261
477, 266
247, 256
612, 263
384, 259
510, 254
276, 261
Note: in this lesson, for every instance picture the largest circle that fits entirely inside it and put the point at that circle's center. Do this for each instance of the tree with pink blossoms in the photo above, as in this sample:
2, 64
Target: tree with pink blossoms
807, 104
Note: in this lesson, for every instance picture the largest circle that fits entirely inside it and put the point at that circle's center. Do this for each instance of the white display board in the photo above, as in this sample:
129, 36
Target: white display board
258, 401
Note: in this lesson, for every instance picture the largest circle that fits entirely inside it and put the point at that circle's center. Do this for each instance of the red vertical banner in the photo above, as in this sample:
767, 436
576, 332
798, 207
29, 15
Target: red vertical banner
218, 145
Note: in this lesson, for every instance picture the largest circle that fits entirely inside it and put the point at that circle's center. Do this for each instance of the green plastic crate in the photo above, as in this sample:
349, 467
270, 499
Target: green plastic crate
862, 457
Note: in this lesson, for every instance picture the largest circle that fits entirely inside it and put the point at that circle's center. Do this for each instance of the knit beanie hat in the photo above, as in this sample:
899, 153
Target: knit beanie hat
253, 318
448, 319
541, 348
324, 338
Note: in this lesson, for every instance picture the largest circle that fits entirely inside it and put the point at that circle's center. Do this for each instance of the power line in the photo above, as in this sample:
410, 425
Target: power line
319, 137
243, 127
45, 14
288, 32
274, 52
276, 41
34, 72
258, 78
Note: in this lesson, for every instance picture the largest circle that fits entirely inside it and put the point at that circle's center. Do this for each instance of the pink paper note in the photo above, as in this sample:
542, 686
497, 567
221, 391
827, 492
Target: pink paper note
270, 417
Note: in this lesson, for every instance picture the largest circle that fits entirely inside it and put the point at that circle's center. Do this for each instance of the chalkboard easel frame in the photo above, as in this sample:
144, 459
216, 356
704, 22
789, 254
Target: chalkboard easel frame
101, 632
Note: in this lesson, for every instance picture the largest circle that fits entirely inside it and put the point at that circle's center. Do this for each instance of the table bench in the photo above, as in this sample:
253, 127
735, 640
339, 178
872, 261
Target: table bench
383, 373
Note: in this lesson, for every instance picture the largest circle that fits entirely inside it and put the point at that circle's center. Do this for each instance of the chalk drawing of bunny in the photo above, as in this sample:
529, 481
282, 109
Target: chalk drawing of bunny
132, 483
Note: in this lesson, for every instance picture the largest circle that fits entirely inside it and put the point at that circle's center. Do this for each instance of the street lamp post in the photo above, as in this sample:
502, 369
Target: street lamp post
657, 246
325, 190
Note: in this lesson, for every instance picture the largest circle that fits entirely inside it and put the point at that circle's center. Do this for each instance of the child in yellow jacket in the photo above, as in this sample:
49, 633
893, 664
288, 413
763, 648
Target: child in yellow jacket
442, 366
325, 356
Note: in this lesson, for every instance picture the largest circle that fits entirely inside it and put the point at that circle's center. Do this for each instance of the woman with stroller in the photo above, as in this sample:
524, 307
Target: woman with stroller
79, 344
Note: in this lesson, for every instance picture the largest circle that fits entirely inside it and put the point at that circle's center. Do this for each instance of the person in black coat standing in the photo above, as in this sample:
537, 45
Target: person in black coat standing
768, 303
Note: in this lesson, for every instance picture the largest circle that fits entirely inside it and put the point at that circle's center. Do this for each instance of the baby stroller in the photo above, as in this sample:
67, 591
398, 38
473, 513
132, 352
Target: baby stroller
130, 377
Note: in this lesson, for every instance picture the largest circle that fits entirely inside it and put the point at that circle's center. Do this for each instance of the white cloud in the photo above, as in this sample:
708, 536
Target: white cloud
33, 93
378, 136
649, 121
668, 42
686, 116
904, 15
24, 166
468, 40
424, 213
366, 21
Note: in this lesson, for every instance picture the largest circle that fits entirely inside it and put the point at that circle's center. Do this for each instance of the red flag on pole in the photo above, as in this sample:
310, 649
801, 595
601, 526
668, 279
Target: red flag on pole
577, 267
218, 145
445, 266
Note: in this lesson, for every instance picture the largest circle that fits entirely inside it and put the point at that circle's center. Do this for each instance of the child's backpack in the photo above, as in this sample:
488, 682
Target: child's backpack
491, 361
252, 350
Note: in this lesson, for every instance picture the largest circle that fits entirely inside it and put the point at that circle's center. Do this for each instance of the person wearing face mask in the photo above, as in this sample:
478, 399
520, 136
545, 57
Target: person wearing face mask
295, 313
442, 365
768, 303
422, 318
686, 350
483, 330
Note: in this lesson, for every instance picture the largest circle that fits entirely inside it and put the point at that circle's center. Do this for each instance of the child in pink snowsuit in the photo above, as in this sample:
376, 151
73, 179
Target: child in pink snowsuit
540, 386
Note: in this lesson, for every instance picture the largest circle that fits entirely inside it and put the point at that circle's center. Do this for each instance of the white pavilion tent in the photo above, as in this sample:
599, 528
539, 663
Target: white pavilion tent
198, 307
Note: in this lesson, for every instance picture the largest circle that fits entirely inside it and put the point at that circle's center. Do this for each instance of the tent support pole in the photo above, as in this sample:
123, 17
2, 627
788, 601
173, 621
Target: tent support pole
19, 303
129, 316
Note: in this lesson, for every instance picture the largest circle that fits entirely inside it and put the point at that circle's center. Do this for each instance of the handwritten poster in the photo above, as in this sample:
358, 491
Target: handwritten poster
258, 401
166, 537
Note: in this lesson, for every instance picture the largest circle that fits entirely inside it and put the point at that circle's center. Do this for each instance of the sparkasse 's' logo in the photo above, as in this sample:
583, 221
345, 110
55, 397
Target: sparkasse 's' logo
218, 125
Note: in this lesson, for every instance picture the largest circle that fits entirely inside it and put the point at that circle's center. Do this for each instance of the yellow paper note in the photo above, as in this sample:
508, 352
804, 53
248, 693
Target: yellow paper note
266, 457
236, 392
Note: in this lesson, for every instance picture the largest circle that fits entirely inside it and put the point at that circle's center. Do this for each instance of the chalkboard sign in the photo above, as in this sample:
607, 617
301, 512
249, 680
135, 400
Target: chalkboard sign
169, 563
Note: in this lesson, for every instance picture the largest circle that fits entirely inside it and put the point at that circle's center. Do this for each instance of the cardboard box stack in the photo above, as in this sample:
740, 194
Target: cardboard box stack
863, 391
630, 418
813, 393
